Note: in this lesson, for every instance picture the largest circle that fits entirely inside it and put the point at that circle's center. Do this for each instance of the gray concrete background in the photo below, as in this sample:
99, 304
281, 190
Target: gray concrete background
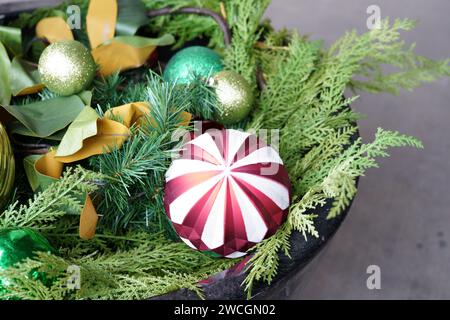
401, 217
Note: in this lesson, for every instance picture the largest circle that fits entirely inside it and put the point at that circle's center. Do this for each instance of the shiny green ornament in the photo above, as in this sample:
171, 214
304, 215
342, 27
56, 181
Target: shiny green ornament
67, 67
17, 245
192, 63
7, 168
235, 97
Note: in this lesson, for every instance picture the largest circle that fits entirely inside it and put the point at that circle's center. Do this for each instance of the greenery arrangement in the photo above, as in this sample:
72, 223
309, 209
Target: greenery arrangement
135, 253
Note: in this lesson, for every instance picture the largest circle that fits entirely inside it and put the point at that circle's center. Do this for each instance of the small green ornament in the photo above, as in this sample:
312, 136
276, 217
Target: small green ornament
7, 168
17, 245
67, 67
191, 63
235, 97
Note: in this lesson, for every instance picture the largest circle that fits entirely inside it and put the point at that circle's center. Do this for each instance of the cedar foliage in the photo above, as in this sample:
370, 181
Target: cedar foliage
135, 254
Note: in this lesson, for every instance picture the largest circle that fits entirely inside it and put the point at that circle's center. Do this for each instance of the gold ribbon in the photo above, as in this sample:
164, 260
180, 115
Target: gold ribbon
101, 20
53, 29
112, 54
110, 134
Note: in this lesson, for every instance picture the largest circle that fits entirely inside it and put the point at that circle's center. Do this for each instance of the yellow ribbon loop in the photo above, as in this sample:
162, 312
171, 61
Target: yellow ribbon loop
111, 53
106, 134
88, 220
53, 29
110, 135
49, 166
129, 114
101, 21
117, 56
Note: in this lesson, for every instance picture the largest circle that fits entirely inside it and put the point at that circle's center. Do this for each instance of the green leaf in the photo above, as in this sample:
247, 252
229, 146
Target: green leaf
44, 118
86, 97
5, 86
11, 39
23, 76
38, 181
84, 126
140, 42
131, 17
16, 127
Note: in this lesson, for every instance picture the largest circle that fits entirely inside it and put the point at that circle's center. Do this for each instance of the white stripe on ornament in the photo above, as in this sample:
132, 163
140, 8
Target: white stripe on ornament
235, 255
206, 142
180, 167
263, 155
181, 206
255, 226
235, 140
214, 231
188, 243
277, 192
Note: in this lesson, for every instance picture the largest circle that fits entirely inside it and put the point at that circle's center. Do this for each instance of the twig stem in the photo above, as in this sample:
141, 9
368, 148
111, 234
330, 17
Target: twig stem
200, 11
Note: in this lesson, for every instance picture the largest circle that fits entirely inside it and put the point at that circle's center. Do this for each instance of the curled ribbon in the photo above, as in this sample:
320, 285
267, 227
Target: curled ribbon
102, 136
113, 54
89, 134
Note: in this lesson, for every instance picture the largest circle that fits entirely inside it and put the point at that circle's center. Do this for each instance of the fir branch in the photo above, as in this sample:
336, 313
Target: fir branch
303, 98
142, 161
106, 92
126, 173
203, 101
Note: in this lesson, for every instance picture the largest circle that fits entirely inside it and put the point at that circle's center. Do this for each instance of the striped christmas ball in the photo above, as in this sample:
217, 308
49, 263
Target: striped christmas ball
227, 192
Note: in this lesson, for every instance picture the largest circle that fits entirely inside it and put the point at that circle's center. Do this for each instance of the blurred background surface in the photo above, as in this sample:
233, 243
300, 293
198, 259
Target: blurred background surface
400, 220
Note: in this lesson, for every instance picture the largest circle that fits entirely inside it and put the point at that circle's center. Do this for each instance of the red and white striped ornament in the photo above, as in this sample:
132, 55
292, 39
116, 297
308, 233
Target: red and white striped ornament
227, 192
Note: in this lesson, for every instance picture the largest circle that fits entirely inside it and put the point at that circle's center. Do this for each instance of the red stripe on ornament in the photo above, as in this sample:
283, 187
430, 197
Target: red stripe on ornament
195, 221
235, 235
194, 152
281, 176
250, 145
179, 185
272, 215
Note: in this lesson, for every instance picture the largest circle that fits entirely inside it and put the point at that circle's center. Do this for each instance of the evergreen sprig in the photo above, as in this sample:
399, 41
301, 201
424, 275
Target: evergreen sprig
134, 255
147, 269
187, 27
51, 205
244, 18
131, 194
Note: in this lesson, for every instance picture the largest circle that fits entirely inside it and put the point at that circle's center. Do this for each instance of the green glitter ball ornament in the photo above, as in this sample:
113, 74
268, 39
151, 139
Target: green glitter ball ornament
7, 168
67, 67
192, 63
235, 97
17, 245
